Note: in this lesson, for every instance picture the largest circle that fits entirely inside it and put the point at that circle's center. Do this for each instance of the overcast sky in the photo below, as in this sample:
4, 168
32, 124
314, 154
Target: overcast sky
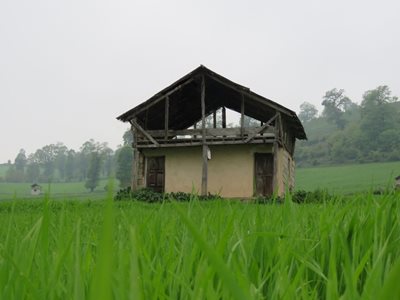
69, 68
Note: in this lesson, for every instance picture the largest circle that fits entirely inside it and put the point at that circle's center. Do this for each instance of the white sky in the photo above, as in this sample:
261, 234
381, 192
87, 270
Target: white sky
69, 68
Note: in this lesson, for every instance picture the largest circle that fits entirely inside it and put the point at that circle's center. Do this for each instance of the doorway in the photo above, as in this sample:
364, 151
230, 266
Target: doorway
155, 177
264, 173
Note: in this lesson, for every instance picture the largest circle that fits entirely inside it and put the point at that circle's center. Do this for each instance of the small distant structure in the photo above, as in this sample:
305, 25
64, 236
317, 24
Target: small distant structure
36, 189
397, 183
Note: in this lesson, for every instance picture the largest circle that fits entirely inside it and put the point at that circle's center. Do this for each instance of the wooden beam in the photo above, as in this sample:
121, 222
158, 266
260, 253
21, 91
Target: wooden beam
280, 134
242, 116
205, 148
209, 132
275, 179
215, 119
223, 117
166, 116
144, 132
135, 160
261, 129
199, 143
247, 92
149, 103
275, 186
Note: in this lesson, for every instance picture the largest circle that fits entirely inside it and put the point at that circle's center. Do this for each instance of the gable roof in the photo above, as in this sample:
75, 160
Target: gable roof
185, 105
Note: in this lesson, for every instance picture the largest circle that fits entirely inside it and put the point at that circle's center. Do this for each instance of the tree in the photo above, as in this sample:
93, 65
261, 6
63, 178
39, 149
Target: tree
128, 137
61, 159
377, 117
20, 161
93, 171
108, 158
124, 166
14, 175
32, 172
307, 112
334, 103
70, 165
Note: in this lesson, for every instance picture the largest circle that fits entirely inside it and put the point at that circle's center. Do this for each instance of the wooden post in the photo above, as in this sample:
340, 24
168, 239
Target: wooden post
223, 117
203, 135
242, 117
135, 160
275, 179
166, 117
215, 119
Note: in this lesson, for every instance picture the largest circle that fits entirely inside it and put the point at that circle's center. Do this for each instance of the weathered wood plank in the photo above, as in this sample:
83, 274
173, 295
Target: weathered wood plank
215, 119
242, 116
199, 143
203, 133
151, 102
166, 117
248, 93
135, 160
223, 117
209, 132
144, 132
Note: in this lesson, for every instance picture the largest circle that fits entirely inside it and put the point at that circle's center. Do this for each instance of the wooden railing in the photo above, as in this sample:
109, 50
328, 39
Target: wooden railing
213, 136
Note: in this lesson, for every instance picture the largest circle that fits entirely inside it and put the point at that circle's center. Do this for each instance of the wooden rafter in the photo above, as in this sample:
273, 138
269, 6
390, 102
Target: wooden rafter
152, 102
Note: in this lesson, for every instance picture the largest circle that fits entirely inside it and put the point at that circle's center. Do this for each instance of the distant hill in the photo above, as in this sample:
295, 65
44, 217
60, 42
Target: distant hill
373, 137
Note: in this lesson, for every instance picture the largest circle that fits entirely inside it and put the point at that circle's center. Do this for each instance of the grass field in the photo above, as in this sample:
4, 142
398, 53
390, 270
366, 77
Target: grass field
344, 179
200, 250
348, 178
57, 190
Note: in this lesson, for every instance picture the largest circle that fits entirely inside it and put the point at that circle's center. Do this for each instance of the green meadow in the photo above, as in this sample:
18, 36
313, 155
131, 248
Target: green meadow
345, 247
347, 179
200, 250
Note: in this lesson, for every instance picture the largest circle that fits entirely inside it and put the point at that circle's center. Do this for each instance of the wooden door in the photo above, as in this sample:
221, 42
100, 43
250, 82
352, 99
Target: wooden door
155, 173
264, 172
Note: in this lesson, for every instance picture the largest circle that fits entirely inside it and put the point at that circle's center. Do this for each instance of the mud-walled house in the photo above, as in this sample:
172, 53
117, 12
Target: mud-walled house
175, 151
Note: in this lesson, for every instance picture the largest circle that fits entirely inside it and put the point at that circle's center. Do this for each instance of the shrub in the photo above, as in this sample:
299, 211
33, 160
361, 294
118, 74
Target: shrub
316, 196
150, 196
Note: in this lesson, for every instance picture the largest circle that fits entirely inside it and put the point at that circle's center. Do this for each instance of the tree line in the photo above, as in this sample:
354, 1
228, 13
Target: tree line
58, 163
349, 132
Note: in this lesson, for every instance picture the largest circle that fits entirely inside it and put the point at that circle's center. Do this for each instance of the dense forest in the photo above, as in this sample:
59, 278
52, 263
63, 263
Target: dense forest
347, 132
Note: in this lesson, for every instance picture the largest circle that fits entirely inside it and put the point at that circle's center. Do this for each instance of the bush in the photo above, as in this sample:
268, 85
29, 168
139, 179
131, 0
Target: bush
268, 199
316, 196
123, 194
150, 196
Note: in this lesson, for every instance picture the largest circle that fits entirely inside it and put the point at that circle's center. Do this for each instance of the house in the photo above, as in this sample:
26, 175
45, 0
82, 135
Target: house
172, 153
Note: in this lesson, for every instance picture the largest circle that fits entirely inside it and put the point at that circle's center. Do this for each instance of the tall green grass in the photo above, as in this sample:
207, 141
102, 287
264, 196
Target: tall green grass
200, 250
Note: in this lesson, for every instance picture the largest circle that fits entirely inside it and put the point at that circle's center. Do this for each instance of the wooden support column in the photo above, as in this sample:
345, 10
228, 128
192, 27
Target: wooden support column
242, 117
135, 160
275, 149
223, 117
215, 119
203, 135
166, 116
